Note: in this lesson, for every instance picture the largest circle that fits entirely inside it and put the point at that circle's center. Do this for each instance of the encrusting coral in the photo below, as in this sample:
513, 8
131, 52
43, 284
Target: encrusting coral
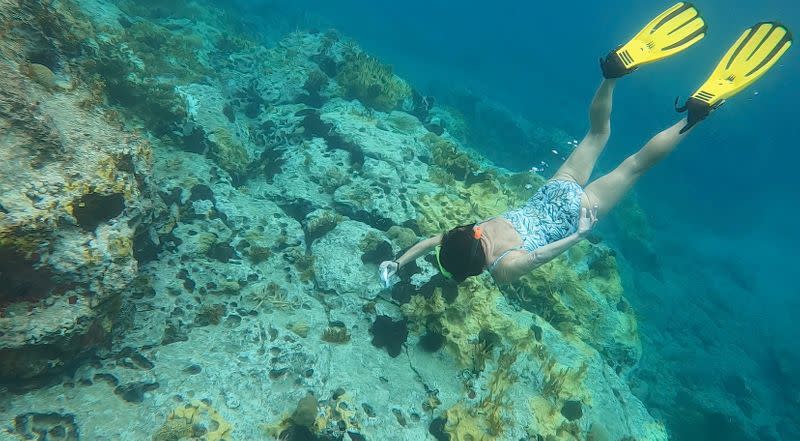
195, 420
373, 83
448, 156
42, 75
229, 153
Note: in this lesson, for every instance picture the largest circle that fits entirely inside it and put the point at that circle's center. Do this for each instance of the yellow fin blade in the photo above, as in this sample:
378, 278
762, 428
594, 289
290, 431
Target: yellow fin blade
670, 32
751, 56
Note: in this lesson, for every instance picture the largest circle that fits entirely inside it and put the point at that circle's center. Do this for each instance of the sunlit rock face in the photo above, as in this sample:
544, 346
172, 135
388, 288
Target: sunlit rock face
73, 186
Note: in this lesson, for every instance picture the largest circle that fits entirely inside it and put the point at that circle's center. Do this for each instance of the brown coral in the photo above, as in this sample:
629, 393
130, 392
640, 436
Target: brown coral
42, 75
336, 332
365, 78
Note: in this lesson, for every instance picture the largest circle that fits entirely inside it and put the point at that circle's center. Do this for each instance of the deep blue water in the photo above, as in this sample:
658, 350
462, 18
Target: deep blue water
724, 205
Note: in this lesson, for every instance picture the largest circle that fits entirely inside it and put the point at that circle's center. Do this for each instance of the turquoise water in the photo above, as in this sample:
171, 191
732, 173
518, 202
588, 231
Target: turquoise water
196, 196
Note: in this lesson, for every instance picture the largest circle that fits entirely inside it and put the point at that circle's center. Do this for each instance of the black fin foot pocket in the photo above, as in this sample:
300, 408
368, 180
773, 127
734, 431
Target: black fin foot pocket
697, 110
612, 66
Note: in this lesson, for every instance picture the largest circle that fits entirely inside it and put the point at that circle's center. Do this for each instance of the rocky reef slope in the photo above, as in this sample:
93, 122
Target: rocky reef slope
190, 230
73, 186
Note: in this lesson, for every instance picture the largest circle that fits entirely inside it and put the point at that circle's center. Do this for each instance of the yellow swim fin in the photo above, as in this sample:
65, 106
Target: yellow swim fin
670, 32
754, 53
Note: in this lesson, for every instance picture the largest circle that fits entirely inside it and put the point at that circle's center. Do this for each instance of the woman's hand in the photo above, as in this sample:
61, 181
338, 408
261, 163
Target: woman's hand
387, 270
587, 221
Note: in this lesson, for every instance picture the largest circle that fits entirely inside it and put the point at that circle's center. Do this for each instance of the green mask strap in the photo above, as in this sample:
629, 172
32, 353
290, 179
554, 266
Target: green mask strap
441, 268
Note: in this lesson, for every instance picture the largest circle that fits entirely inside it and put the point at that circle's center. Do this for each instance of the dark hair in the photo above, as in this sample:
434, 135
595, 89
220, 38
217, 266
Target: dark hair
461, 254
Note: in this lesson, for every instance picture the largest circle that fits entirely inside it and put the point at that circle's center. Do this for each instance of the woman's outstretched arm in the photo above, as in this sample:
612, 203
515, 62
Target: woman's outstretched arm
419, 249
389, 268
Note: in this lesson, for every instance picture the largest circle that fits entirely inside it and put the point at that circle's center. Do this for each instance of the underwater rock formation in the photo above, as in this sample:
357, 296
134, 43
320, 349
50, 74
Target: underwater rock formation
72, 187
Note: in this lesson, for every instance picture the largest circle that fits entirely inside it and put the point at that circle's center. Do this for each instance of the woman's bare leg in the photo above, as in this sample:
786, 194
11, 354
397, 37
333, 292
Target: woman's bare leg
607, 190
580, 163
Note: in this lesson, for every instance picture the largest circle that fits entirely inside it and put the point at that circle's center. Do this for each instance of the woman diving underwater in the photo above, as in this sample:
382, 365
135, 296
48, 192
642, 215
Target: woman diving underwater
565, 209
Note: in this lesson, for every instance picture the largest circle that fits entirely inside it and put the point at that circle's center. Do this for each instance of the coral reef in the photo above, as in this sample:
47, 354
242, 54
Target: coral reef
71, 186
584, 303
141, 97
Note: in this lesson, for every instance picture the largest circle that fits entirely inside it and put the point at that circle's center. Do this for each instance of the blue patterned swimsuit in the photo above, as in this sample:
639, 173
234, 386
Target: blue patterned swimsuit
551, 214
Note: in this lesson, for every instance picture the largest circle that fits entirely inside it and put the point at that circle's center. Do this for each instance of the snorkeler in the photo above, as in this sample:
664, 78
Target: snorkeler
565, 209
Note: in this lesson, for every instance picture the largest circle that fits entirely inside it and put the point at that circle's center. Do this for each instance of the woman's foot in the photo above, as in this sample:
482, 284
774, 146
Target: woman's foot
751, 56
670, 32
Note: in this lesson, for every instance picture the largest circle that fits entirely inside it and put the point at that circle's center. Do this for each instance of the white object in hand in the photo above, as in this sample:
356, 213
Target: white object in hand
385, 276
387, 270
